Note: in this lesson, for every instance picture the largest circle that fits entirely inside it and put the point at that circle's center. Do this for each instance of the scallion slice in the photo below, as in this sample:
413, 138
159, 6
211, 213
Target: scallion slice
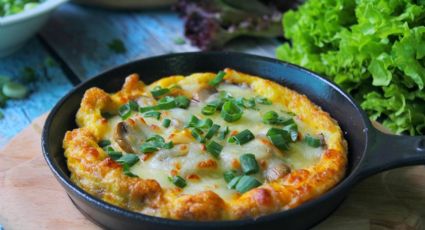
217, 79
182, 102
230, 112
232, 184
279, 137
154, 114
229, 175
197, 134
292, 129
149, 147
15, 90
270, 117
104, 143
127, 172
209, 109
194, 122
114, 155
166, 123
154, 143
214, 148
263, 100
128, 159
223, 134
166, 102
146, 109
133, 106
248, 163
246, 183
159, 91
313, 142
242, 137
124, 111
212, 131
178, 181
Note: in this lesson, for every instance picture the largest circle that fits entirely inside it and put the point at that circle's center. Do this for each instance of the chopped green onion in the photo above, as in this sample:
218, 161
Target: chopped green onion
248, 163
28, 75
209, 109
128, 159
154, 143
194, 122
249, 103
279, 137
159, 91
149, 147
168, 145
214, 148
263, 100
242, 137
124, 111
247, 183
229, 175
179, 41
178, 181
313, 142
230, 112
166, 123
182, 102
133, 106
232, 184
246, 103
154, 114
270, 117
166, 103
217, 79
117, 46
15, 90
146, 109
292, 129
127, 172
224, 95
104, 143
212, 131
197, 134
114, 155
223, 133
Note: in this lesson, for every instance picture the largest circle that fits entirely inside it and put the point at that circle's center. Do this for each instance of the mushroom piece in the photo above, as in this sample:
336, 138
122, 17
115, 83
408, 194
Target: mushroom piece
127, 136
202, 94
276, 170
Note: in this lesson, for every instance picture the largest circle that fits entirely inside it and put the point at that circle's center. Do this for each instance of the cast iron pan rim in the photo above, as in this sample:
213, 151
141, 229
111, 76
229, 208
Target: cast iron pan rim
345, 184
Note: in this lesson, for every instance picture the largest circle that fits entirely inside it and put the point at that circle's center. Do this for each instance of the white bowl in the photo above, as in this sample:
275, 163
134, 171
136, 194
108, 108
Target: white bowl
16, 29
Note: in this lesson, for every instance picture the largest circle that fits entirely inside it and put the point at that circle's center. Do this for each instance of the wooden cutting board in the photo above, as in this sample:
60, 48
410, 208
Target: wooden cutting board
31, 198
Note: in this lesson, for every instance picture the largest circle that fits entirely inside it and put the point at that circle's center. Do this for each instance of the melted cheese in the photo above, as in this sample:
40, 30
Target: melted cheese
202, 171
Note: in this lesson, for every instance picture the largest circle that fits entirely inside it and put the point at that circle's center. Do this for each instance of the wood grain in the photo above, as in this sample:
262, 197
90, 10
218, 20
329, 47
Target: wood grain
46, 90
31, 198
127, 4
144, 33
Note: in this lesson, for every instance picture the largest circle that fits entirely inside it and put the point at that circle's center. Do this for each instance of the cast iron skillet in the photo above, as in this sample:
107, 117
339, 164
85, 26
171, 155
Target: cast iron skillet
370, 151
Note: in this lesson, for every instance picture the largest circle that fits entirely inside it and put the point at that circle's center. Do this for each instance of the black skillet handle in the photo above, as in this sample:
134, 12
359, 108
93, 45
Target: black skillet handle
388, 151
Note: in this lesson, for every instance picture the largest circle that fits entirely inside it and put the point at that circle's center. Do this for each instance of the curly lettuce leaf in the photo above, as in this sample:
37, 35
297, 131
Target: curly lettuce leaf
374, 49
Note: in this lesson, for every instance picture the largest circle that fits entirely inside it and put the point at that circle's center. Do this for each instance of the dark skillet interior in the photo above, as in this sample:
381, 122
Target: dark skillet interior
320, 91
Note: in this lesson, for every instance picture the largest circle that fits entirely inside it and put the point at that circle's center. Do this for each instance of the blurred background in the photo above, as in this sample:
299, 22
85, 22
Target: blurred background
47, 46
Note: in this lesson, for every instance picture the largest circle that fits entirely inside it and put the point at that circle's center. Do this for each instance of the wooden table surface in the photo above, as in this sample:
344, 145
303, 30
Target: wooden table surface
77, 37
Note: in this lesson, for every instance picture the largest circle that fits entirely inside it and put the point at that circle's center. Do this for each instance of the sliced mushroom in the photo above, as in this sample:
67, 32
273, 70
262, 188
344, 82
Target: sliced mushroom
276, 170
202, 94
127, 136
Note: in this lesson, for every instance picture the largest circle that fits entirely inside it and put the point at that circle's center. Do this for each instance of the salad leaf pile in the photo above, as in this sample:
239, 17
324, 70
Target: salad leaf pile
209, 24
9, 7
374, 49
